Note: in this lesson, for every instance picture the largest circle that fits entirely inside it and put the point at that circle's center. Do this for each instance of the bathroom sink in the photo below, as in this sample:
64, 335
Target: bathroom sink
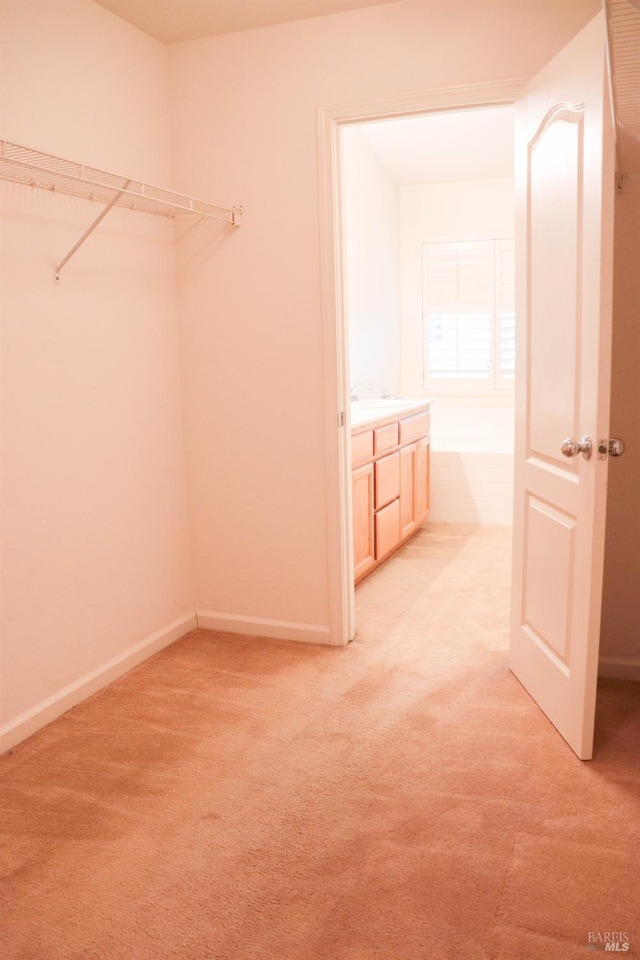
366, 411
387, 403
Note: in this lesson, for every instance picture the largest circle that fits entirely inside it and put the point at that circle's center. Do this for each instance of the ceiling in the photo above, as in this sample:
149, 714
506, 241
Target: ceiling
172, 21
457, 145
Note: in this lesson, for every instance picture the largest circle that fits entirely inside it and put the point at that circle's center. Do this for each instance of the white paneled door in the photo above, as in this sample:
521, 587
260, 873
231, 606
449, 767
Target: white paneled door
565, 185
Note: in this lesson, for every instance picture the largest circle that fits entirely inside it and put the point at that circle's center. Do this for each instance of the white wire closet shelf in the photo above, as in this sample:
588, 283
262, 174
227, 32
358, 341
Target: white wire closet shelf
59, 175
623, 27
25, 165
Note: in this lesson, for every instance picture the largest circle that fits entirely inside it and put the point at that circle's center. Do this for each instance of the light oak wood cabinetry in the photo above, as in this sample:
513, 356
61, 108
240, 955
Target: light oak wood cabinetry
415, 427
385, 438
390, 458
387, 524
408, 490
414, 485
422, 474
363, 529
386, 473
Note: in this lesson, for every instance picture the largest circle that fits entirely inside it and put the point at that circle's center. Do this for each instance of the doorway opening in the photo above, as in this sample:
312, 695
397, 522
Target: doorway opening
428, 295
330, 122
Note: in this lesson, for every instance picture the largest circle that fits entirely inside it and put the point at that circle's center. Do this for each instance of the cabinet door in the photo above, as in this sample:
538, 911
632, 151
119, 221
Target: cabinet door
408, 463
363, 534
422, 494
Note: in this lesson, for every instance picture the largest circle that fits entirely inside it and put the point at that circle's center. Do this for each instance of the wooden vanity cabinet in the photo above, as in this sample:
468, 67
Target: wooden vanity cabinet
387, 528
364, 557
390, 487
408, 489
414, 486
387, 479
422, 475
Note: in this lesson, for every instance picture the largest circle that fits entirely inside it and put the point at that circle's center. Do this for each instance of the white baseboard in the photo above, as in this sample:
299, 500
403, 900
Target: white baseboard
261, 627
43, 713
619, 668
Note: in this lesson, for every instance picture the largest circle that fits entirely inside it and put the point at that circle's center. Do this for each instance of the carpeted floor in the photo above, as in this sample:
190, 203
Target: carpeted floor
398, 799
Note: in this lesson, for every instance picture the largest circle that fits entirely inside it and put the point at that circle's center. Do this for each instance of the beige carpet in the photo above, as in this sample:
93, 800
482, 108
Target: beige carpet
399, 799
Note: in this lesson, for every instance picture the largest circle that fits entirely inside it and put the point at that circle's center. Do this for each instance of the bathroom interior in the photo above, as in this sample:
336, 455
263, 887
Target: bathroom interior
428, 227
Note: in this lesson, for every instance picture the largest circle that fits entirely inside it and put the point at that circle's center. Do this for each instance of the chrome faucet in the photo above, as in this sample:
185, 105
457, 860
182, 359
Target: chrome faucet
356, 387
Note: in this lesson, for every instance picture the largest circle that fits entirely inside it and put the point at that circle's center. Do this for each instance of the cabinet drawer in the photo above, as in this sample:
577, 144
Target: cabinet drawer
362, 446
387, 479
387, 523
415, 427
385, 438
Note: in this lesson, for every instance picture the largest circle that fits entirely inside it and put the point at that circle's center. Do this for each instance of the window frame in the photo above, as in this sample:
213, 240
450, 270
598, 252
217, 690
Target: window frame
495, 386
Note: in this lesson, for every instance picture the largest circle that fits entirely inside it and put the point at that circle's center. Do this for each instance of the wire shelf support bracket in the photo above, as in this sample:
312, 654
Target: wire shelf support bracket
56, 174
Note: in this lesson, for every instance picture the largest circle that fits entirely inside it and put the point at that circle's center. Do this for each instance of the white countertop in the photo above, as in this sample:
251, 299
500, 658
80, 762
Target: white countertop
368, 411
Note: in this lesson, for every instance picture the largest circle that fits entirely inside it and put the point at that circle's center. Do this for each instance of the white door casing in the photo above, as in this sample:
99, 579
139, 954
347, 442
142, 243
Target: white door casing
564, 201
335, 337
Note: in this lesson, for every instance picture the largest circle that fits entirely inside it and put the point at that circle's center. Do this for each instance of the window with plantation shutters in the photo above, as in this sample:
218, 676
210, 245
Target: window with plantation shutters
469, 316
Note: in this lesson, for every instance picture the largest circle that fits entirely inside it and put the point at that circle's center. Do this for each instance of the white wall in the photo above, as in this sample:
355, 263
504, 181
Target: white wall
96, 568
244, 111
372, 279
